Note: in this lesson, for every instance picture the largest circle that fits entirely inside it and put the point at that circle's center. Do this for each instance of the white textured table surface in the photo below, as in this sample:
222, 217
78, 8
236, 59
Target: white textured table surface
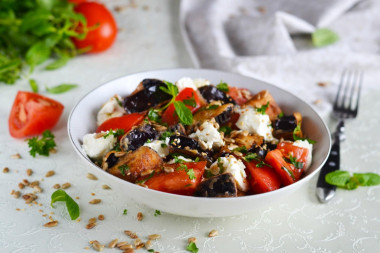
150, 39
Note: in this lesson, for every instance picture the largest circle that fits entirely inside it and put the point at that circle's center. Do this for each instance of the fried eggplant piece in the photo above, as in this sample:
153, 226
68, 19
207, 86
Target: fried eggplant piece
222, 185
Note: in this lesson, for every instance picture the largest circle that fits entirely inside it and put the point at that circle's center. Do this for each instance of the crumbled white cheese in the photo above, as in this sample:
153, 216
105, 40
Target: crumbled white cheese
209, 135
200, 82
309, 147
185, 82
110, 109
180, 158
161, 147
236, 168
96, 146
255, 122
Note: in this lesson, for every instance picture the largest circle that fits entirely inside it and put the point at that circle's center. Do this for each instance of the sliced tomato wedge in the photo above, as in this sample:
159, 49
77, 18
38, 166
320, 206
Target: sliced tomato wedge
125, 122
299, 153
239, 94
262, 179
190, 97
32, 113
288, 172
178, 181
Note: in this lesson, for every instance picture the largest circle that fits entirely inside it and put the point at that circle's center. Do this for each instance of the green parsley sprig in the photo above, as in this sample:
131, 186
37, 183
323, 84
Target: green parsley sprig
263, 108
222, 86
41, 146
296, 137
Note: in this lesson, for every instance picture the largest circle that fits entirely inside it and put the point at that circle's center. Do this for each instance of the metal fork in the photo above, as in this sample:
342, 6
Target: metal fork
346, 106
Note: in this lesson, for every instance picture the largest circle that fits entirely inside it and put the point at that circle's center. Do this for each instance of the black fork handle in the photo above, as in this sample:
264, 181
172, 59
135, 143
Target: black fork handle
326, 191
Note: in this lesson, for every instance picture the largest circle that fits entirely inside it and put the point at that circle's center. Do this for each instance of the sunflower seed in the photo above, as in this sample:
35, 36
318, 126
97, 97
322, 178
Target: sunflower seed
51, 224
95, 201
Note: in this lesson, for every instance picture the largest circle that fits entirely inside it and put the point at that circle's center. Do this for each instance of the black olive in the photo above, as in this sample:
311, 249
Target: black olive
138, 136
285, 123
218, 186
146, 98
211, 93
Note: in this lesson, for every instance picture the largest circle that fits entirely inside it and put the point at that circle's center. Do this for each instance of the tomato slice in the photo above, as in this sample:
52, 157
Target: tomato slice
262, 179
103, 27
187, 94
178, 182
125, 122
32, 113
299, 153
238, 94
287, 172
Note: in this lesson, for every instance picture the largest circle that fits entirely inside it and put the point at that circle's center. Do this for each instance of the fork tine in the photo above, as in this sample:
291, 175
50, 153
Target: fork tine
339, 97
357, 86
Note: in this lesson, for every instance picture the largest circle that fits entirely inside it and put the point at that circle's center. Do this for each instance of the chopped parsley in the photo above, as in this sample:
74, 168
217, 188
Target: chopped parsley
297, 132
280, 115
290, 173
41, 146
157, 212
191, 174
154, 116
291, 159
225, 129
241, 149
165, 135
146, 179
192, 247
262, 164
263, 108
251, 156
117, 133
212, 107
125, 211
123, 168
222, 86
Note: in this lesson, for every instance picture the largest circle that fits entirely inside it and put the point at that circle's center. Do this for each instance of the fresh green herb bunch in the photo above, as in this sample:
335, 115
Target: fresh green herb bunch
32, 31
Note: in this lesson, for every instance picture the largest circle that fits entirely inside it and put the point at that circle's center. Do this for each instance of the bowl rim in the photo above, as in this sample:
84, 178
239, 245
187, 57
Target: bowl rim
192, 198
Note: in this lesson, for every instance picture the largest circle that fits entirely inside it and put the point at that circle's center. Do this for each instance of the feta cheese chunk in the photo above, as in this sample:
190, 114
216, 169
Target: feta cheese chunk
209, 135
161, 147
110, 109
309, 147
185, 82
236, 168
255, 122
96, 146
200, 82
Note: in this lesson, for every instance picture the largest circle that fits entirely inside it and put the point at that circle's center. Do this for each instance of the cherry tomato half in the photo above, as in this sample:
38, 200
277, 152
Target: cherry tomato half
125, 122
32, 113
102, 37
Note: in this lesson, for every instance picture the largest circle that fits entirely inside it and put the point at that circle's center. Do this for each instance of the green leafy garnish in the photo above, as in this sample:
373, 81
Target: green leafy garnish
31, 32
117, 133
41, 146
150, 250
222, 86
251, 156
190, 102
146, 179
165, 135
184, 113
290, 173
171, 89
191, 174
344, 180
296, 137
163, 145
291, 159
212, 107
280, 115
225, 129
241, 149
71, 205
192, 247
33, 84
263, 108
62, 88
323, 37
154, 116
123, 168
262, 163
157, 212
125, 212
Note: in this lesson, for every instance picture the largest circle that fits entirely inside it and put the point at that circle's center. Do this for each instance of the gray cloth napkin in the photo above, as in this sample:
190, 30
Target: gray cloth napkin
270, 40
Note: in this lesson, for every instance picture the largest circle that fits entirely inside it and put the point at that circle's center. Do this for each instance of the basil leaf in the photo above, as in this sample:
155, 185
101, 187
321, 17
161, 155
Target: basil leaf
338, 178
37, 53
60, 62
367, 179
323, 37
184, 113
71, 205
33, 84
61, 88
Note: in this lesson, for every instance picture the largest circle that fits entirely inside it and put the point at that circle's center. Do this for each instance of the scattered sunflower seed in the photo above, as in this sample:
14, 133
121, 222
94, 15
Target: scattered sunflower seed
53, 223
16, 156
192, 239
21, 186
57, 186
90, 225
66, 185
95, 201
50, 173
106, 187
130, 234
213, 233
154, 236
140, 216
5, 170
29, 172
101, 217
91, 176
113, 243
97, 245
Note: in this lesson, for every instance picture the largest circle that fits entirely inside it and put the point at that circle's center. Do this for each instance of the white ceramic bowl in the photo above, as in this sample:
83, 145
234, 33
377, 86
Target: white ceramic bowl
82, 120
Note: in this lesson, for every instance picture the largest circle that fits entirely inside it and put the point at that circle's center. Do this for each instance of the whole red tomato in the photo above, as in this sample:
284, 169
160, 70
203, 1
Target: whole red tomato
101, 37
32, 114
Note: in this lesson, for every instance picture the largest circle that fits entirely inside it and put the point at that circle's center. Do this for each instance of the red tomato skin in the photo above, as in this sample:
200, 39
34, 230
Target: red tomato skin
299, 153
178, 182
32, 113
101, 38
125, 122
262, 179
237, 95
170, 117
287, 172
